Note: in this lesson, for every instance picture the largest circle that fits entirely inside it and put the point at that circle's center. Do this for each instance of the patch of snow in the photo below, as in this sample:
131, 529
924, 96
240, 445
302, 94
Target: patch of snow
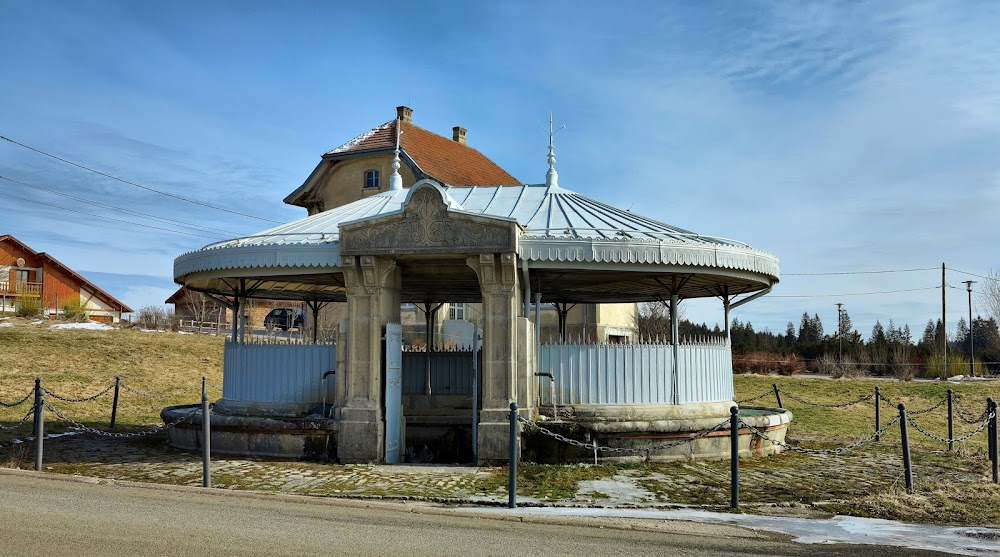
39, 322
359, 138
91, 325
4, 318
151, 331
6, 324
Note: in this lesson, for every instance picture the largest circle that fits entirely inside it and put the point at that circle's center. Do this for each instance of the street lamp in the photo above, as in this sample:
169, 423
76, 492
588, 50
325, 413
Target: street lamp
840, 330
972, 346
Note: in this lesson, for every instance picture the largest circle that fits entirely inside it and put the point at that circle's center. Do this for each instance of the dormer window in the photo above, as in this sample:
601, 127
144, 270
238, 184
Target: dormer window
371, 179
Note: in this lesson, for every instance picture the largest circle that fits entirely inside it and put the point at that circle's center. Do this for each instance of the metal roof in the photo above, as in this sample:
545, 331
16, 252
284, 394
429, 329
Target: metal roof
559, 226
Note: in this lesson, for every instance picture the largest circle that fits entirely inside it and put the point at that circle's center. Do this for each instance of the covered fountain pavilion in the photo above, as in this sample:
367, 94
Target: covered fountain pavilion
508, 248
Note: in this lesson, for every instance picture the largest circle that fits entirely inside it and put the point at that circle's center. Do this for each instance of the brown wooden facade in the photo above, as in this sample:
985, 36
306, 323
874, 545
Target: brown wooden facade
25, 273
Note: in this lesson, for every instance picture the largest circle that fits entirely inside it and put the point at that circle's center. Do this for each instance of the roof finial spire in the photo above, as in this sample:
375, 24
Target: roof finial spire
396, 181
552, 177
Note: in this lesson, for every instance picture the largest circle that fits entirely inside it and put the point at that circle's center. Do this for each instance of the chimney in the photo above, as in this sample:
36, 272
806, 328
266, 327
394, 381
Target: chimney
404, 113
458, 134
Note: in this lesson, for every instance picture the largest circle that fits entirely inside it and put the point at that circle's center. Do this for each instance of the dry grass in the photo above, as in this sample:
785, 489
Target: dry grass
77, 363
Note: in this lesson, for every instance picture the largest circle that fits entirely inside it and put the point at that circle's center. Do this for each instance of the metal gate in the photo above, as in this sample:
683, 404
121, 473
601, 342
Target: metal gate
393, 391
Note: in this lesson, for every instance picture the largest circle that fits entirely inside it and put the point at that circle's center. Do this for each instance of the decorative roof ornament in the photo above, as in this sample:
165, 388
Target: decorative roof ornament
552, 177
396, 181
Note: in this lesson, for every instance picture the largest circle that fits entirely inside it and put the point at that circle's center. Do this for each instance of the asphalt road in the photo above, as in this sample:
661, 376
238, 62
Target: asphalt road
53, 515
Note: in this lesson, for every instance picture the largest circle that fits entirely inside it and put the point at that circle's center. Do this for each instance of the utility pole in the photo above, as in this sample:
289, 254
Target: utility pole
840, 333
944, 325
972, 345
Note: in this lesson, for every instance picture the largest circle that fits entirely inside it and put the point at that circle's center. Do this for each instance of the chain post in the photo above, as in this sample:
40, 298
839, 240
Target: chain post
595, 450
907, 466
206, 434
777, 395
878, 413
734, 449
991, 434
994, 441
39, 424
114, 404
512, 465
951, 419
204, 386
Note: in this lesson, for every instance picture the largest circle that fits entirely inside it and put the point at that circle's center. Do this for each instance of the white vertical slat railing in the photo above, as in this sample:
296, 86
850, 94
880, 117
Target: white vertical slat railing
636, 373
278, 372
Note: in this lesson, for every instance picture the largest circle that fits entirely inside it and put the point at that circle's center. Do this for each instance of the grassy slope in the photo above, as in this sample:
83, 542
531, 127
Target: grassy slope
79, 363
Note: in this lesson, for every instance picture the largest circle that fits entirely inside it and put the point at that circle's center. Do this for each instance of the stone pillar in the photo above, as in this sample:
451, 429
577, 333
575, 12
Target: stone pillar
373, 296
498, 283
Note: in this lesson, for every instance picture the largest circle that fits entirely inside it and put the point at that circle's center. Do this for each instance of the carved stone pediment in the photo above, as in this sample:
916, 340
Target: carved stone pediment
425, 225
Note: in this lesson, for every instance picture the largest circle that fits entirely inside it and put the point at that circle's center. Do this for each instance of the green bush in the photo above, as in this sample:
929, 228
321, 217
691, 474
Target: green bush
73, 311
28, 307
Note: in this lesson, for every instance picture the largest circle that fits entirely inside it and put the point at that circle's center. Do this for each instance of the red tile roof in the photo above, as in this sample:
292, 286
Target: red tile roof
439, 157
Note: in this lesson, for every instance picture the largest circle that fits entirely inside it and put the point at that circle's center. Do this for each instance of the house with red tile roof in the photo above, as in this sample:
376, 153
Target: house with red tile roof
28, 276
362, 166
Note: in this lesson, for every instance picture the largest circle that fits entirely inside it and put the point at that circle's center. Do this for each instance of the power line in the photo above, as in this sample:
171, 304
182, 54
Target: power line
974, 274
133, 184
860, 272
116, 208
850, 293
106, 218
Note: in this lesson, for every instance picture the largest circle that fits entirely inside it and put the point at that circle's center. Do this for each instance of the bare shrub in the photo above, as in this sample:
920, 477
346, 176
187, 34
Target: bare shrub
764, 363
73, 310
152, 317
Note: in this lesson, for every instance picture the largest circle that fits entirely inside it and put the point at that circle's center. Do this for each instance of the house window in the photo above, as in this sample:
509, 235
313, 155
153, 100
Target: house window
456, 311
371, 179
21, 277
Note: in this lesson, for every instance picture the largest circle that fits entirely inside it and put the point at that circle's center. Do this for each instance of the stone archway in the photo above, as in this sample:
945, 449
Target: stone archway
425, 231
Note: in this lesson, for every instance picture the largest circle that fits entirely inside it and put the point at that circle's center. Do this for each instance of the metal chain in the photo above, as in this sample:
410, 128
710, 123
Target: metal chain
844, 405
155, 429
21, 423
758, 397
621, 450
84, 399
151, 395
913, 422
965, 418
885, 399
18, 403
821, 452
926, 410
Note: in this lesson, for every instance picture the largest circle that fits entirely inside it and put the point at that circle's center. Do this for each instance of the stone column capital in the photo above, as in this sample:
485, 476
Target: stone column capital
497, 275
365, 274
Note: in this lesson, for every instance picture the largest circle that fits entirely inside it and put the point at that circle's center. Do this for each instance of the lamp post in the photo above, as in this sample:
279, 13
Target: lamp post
840, 336
972, 345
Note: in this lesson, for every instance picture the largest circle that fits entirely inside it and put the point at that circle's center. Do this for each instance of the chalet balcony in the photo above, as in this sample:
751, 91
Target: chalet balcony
21, 289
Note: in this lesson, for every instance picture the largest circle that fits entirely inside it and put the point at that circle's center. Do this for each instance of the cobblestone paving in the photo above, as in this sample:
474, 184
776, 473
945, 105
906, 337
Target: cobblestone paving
786, 479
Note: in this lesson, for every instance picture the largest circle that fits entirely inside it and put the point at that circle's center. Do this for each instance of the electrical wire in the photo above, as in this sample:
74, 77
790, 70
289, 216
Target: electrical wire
995, 279
850, 293
61, 208
133, 184
116, 208
859, 272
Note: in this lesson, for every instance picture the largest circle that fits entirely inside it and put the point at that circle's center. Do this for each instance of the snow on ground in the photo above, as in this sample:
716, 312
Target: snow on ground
6, 324
151, 331
92, 325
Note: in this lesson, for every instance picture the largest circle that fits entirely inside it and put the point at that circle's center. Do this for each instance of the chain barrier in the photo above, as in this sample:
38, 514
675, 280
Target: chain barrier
844, 405
887, 400
622, 450
118, 435
155, 396
926, 410
961, 415
31, 412
963, 439
758, 397
821, 452
75, 400
18, 403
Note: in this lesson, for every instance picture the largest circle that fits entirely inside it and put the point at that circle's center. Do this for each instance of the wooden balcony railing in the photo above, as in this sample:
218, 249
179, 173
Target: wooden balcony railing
26, 289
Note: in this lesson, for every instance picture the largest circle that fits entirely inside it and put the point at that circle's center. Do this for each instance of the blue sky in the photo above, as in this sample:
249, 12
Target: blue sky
838, 136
